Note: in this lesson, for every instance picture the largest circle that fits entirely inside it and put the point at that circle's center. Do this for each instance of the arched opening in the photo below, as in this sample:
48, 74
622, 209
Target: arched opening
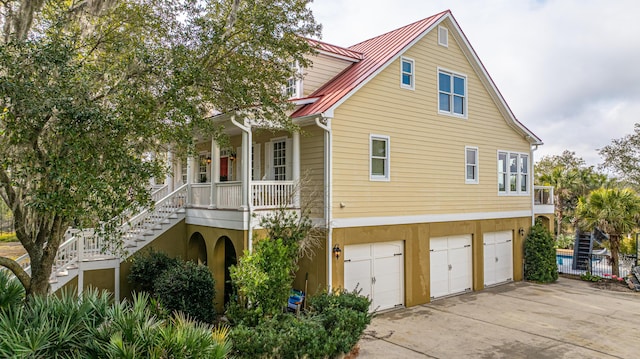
197, 250
544, 221
225, 257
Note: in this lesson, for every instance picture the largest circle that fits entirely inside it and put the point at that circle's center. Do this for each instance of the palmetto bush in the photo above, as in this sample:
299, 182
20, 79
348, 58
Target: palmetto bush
91, 326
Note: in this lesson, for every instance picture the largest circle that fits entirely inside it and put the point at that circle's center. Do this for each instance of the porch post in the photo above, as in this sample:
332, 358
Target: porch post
169, 178
215, 172
243, 172
152, 180
191, 164
296, 168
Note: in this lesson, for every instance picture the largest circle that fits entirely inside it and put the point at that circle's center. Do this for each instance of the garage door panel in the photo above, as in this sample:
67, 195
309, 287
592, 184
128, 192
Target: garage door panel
439, 266
378, 268
357, 252
459, 241
358, 275
387, 249
498, 257
460, 260
439, 244
451, 265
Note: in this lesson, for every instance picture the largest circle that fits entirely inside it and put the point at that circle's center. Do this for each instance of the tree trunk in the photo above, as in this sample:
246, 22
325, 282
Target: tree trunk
614, 241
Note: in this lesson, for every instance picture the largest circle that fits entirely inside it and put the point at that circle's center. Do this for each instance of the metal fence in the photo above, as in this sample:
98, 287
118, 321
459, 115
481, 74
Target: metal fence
598, 264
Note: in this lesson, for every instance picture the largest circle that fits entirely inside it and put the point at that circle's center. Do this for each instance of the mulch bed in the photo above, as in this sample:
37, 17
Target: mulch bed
604, 284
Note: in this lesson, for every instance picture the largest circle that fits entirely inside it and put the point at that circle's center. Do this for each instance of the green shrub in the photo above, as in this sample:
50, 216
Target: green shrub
540, 256
262, 281
332, 327
147, 267
590, 277
188, 288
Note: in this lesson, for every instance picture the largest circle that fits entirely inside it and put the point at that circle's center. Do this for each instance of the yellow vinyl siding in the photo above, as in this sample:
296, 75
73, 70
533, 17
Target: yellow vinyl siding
324, 68
312, 170
427, 163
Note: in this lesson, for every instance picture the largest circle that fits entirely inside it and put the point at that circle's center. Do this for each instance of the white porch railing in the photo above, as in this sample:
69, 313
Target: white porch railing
543, 200
229, 195
86, 245
264, 194
543, 194
159, 192
273, 194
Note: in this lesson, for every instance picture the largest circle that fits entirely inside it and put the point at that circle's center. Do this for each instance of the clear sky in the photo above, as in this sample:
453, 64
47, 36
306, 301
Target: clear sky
569, 69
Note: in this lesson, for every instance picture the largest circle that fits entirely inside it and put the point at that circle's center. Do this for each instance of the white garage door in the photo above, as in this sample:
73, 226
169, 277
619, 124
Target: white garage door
451, 265
378, 269
498, 257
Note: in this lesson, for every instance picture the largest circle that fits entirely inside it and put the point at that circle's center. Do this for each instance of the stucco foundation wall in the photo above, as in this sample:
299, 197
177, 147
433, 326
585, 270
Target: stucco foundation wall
173, 242
416, 238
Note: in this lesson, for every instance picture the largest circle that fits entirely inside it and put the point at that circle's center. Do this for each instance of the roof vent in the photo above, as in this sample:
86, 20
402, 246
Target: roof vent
443, 36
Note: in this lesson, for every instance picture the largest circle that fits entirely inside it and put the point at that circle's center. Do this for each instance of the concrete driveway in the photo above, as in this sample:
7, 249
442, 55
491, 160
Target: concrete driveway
567, 319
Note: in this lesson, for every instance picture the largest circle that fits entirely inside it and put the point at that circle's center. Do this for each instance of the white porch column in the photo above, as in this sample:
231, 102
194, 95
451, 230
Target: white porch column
296, 168
169, 178
246, 158
191, 163
152, 180
215, 172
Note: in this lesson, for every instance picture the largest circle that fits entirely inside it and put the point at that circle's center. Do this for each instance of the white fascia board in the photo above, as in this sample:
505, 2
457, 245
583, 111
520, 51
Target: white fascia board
427, 218
340, 57
468, 50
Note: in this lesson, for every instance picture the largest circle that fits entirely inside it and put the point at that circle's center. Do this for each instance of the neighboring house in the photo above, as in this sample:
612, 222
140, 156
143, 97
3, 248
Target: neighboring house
408, 156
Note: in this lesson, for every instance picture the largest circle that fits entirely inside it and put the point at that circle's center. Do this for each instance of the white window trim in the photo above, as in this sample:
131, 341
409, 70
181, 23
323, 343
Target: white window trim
269, 167
297, 87
387, 167
507, 184
477, 165
413, 73
466, 93
446, 32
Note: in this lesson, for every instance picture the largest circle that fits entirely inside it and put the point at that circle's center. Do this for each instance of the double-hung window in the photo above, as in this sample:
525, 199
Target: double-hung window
379, 158
471, 165
452, 93
280, 160
407, 73
513, 173
294, 84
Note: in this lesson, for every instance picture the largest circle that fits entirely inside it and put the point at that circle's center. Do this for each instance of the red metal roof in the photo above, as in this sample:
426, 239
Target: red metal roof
377, 52
341, 51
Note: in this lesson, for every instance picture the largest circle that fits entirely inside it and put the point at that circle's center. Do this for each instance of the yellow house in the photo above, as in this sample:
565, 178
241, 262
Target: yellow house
407, 156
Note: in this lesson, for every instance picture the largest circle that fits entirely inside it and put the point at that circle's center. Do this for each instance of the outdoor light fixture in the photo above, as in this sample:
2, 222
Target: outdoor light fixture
209, 160
232, 156
337, 251
521, 231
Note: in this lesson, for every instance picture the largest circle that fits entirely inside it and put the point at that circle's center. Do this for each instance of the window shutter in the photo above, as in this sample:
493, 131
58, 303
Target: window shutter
238, 165
256, 162
289, 159
268, 160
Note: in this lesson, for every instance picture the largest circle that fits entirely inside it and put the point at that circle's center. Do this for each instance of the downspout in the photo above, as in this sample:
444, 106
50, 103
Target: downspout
533, 193
327, 195
247, 175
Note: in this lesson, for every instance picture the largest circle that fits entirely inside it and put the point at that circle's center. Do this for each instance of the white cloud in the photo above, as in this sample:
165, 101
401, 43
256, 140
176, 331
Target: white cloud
568, 69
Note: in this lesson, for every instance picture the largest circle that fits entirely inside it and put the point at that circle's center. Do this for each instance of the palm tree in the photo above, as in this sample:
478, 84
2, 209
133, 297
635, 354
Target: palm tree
615, 211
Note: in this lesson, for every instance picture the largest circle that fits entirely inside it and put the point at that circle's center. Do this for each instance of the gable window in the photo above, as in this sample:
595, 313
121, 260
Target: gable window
471, 165
293, 87
407, 73
379, 158
452, 93
443, 36
513, 173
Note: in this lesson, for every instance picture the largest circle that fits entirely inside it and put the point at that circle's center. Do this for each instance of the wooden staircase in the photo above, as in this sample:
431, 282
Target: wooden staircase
88, 250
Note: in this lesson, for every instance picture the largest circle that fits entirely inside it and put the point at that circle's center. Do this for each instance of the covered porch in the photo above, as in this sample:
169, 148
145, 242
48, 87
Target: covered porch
256, 169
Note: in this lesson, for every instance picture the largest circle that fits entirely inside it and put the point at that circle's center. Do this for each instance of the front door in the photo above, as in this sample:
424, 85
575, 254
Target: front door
224, 169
